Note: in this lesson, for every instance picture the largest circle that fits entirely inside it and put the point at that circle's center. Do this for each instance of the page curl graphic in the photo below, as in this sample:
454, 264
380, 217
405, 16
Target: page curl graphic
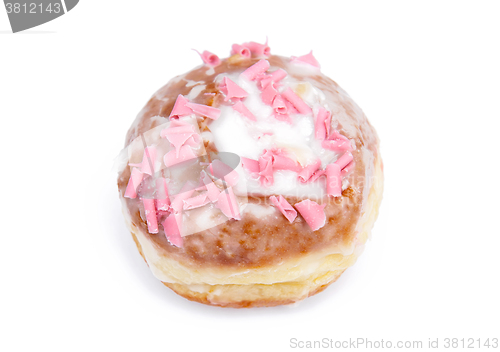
28, 14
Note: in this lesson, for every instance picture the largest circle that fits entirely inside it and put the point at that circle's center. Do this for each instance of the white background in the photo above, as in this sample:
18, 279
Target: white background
426, 74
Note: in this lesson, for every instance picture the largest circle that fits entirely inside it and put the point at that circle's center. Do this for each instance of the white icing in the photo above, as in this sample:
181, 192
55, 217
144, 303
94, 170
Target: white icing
191, 83
121, 161
158, 120
259, 211
311, 95
200, 219
232, 132
177, 79
345, 183
207, 136
287, 184
304, 67
195, 91
210, 71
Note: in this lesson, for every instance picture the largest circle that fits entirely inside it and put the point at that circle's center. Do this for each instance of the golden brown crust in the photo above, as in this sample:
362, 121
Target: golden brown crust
251, 243
269, 302
280, 292
203, 297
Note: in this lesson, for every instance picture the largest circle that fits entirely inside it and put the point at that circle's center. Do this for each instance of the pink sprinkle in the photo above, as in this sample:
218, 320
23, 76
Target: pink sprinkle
194, 140
283, 117
348, 168
274, 78
333, 180
279, 105
204, 110
178, 136
337, 142
253, 71
219, 170
282, 162
322, 124
178, 123
265, 81
278, 75
250, 165
209, 58
209, 94
232, 178
313, 213
185, 193
227, 203
306, 59
306, 173
290, 108
162, 199
180, 109
336, 145
172, 226
344, 160
148, 163
268, 94
260, 77
212, 192
258, 49
150, 212
232, 90
280, 109
185, 153
242, 109
286, 209
336, 135
266, 168
176, 129
317, 175
298, 103
196, 202
223, 86
240, 49
134, 181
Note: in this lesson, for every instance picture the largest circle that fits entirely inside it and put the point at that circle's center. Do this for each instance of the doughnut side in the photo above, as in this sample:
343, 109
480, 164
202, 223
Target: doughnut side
261, 259
289, 282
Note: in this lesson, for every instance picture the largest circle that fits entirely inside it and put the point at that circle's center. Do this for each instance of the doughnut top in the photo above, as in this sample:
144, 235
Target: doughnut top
248, 160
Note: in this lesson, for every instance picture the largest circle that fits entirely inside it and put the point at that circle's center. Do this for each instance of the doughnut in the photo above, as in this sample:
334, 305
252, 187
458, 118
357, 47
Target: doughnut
250, 181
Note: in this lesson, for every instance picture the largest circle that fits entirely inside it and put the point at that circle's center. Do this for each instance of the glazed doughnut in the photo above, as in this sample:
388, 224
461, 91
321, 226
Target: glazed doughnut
250, 181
